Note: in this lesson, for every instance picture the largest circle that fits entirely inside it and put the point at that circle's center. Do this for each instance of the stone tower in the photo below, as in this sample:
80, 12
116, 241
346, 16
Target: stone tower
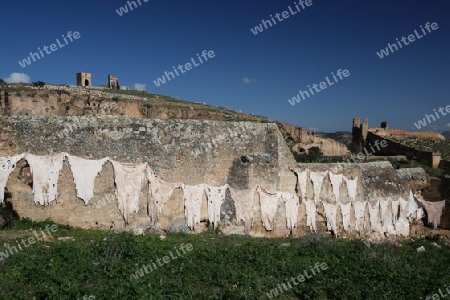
365, 129
113, 82
84, 79
356, 133
359, 133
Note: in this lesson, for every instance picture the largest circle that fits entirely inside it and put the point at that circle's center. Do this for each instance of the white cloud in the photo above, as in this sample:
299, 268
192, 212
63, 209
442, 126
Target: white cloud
140, 87
18, 78
247, 80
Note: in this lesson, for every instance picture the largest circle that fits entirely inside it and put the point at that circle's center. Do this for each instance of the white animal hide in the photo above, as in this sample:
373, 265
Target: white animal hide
243, 202
317, 180
216, 196
269, 206
84, 173
345, 211
7, 165
159, 192
129, 179
45, 170
193, 196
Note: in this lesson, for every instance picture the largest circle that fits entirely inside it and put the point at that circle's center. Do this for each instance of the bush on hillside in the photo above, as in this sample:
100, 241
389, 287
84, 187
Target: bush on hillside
38, 83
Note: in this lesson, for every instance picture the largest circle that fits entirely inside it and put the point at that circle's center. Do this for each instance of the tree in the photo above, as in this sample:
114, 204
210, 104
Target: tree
301, 157
353, 148
39, 83
2, 82
315, 154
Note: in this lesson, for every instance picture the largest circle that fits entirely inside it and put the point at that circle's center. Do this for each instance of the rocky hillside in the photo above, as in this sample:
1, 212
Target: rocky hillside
300, 139
342, 137
66, 100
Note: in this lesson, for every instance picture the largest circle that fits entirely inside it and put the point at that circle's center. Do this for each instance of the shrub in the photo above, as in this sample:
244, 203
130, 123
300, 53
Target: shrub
38, 83
314, 155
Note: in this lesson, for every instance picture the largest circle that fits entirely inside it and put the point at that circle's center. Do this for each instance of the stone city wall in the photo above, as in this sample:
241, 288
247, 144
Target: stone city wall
241, 154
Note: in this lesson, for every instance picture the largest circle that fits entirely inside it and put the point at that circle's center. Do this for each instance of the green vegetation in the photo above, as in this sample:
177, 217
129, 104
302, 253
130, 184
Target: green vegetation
157, 101
127, 92
307, 158
38, 83
18, 88
353, 148
314, 155
343, 137
101, 263
334, 159
142, 94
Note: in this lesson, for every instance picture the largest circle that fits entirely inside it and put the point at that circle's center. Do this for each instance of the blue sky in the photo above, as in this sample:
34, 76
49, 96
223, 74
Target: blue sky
141, 45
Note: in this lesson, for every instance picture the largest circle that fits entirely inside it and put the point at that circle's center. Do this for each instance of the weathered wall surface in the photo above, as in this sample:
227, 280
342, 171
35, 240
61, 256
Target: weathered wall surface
192, 152
61, 103
241, 154
376, 181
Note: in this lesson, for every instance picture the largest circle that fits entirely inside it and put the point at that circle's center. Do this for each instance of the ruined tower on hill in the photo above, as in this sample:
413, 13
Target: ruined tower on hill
84, 79
113, 82
359, 132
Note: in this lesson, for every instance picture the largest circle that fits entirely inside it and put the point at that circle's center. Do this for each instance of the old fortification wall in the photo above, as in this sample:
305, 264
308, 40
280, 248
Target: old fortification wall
192, 152
397, 132
396, 148
242, 155
378, 187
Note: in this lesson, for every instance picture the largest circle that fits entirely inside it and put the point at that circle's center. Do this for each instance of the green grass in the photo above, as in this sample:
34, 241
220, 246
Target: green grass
100, 263
126, 92
142, 94
18, 88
